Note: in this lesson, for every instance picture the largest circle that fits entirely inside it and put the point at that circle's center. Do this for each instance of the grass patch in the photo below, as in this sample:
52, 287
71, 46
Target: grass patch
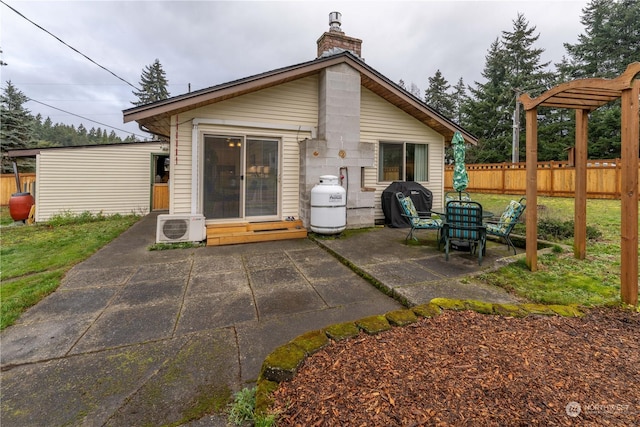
36, 257
242, 410
19, 294
562, 279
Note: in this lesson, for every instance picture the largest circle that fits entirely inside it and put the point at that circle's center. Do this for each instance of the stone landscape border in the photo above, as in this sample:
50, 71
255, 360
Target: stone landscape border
283, 363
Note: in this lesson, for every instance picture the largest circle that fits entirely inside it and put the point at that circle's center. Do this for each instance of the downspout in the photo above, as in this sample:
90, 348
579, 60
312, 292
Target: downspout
17, 175
195, 176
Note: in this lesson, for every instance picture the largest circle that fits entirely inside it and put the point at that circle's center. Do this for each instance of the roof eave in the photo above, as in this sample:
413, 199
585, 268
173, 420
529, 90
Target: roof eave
156, 117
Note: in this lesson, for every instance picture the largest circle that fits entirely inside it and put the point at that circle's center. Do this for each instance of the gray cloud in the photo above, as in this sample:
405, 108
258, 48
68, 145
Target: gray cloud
211, 42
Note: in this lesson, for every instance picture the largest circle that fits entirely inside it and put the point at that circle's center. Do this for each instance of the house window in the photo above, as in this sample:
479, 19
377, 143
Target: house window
403, 161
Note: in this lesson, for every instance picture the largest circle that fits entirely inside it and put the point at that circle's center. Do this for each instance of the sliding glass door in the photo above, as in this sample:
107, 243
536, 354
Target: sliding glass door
261, 191
240, 178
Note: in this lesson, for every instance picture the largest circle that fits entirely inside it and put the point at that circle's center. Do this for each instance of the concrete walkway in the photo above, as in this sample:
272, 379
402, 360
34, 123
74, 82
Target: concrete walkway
134, 337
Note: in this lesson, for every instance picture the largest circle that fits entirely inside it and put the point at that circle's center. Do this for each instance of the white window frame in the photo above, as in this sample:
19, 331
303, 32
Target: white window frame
380, 172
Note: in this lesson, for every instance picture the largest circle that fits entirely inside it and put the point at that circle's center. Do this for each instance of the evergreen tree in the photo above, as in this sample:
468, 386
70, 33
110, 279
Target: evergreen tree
437, 96
460, 98
611, 40
16, 124
512, 66
486, 112
153, 85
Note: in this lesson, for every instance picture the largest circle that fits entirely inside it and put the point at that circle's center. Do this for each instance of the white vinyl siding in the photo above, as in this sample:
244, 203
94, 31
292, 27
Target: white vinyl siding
109, 179
293, 105
381, 121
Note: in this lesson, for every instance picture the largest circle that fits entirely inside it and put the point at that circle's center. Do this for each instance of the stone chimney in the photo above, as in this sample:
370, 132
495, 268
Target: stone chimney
334, 41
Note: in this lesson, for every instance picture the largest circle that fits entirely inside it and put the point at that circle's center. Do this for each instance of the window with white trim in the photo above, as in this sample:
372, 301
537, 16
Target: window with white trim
403, 161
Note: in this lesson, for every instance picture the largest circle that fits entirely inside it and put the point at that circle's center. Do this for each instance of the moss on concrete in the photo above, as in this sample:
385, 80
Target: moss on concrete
373, 324
426, 310
538, 309
449, 304
207, 401
312, 341
264, 389
509, 310
341, 331
282, 364
401, 317
566, 310
479, 306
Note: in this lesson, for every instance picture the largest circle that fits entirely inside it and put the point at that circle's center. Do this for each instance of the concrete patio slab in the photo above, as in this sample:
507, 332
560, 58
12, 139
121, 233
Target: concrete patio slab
139, 337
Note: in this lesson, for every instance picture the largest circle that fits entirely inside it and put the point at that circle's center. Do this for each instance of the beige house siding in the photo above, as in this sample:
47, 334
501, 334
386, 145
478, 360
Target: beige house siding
109, 179
286, 112
382, 121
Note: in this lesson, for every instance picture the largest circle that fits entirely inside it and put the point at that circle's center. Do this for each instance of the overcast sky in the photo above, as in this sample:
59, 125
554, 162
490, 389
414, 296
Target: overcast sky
206, 43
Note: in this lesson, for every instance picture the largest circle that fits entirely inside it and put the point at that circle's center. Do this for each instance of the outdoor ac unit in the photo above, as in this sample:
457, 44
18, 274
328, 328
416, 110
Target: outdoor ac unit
180, 228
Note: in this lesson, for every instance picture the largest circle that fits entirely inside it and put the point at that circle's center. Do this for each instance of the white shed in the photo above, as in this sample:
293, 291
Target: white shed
110, 179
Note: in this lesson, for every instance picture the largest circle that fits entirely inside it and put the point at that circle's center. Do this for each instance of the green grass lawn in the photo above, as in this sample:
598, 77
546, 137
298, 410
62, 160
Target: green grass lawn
34, 258
562, 279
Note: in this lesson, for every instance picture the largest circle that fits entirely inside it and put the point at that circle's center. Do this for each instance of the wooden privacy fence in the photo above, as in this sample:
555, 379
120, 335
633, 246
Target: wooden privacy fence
555, 179
8, 185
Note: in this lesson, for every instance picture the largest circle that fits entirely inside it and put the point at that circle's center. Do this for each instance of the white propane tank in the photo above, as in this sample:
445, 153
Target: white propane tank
328, 206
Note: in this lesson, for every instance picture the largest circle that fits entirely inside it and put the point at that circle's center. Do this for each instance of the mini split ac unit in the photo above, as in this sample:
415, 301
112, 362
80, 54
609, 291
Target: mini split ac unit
180, 228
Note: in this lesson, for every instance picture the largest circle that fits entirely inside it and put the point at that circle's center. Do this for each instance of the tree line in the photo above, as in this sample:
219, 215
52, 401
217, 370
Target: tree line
513, 65
20, 129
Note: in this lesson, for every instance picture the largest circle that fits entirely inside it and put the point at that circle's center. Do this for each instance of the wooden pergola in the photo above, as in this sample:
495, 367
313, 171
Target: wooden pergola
585, 96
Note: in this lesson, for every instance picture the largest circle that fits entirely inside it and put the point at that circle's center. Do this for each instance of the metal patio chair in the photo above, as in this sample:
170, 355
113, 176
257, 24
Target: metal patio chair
463, 222
418, 220
456, 195
509, 218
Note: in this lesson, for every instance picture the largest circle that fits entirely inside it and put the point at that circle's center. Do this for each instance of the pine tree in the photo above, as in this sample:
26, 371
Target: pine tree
513, 65
611, 40
486, 112
437, 96
460, 98
153, 85
16, 126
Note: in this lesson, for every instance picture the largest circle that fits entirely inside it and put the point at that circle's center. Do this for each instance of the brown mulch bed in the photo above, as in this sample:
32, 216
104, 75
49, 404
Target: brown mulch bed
465, 368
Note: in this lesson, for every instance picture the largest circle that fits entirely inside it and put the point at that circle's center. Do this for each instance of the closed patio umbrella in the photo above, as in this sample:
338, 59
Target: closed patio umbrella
460, 176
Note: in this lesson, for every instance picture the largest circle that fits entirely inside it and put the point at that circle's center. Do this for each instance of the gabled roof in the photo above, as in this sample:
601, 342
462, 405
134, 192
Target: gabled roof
156, 117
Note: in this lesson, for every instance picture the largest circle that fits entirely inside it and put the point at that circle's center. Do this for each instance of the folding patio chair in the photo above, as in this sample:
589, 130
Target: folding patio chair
418, 220
463, 221
456, 195
507, 221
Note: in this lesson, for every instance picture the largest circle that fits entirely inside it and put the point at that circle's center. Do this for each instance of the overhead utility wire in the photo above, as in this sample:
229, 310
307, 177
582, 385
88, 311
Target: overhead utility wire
85, 118
69, 46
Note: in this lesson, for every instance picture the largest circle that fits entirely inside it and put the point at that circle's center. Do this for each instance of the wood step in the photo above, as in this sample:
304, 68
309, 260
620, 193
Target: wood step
238, 233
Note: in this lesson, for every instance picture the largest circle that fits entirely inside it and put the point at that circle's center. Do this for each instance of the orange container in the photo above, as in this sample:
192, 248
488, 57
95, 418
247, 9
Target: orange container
20, 206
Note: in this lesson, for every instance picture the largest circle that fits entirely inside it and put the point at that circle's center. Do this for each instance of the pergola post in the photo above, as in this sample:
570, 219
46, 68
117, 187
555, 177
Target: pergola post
580, 201
630, 134
532, 189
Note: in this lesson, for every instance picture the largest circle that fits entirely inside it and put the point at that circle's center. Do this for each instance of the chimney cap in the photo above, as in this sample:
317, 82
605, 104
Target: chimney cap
335, 20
